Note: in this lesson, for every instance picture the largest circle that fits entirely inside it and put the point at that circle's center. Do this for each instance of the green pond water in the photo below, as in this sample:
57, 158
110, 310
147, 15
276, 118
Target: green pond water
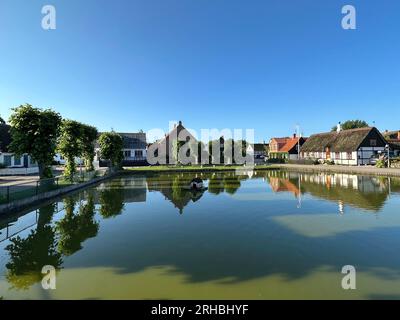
257, 235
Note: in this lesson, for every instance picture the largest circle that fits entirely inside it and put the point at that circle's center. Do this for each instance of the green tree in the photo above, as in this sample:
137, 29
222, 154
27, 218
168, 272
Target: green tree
111, 147
35, 131
69, 144
88, 138
352, 124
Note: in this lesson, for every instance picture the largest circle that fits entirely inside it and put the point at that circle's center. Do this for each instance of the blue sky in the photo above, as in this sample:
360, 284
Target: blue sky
267, 65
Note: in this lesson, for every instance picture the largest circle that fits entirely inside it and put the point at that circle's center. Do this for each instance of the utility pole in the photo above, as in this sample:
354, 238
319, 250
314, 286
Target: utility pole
388, 153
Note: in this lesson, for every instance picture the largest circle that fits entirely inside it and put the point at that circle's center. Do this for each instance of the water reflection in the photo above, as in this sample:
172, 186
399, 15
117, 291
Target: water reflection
231, 234
367, 193
76, 227
28, 255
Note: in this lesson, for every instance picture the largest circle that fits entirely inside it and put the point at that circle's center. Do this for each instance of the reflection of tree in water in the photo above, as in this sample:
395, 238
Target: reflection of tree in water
29, 255
231, 184
112, 200
216, 185
74, 229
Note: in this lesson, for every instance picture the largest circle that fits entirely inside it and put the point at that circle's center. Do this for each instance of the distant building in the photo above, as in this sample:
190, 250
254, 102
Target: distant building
393, 139
346, 147
285, 148
162, 151
8, 158
259, 150
134, 149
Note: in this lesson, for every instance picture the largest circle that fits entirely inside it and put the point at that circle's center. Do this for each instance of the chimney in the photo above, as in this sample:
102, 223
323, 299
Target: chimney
294, 136
180, 123
339, 127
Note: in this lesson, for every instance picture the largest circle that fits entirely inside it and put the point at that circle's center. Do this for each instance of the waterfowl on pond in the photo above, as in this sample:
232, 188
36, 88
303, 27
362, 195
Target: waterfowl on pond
196, 185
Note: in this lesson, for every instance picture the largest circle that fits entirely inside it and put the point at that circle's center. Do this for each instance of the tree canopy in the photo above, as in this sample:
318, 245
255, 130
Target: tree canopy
111, 147
69, 144
35, 131
2, 120
88, 138
352, 124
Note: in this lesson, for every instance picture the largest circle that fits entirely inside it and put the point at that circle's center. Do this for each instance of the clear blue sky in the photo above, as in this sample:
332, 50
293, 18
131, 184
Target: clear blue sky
267, 65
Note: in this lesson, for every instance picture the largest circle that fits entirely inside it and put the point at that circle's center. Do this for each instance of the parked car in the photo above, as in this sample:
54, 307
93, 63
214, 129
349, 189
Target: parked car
374, 159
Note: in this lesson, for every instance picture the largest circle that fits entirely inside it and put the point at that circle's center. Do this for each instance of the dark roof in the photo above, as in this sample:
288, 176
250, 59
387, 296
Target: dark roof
134, 140
5, 137
343, 141
131, 140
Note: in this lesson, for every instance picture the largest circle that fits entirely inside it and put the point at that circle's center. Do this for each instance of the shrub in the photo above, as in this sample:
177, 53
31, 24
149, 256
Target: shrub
329, 162
276, 160
380, 164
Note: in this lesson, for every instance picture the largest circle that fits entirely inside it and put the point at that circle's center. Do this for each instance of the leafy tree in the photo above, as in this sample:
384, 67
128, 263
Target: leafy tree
35, 131
88, 138
352, 124
69, 144
2, 120
111, 147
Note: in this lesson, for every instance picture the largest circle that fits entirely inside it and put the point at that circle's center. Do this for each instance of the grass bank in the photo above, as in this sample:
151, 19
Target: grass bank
190, 168
358, 170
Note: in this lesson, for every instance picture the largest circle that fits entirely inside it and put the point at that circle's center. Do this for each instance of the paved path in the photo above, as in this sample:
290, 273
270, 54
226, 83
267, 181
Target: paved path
13, 180
363, 170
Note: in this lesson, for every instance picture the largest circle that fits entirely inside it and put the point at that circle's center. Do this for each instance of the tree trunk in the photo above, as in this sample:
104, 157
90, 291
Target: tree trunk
41, 167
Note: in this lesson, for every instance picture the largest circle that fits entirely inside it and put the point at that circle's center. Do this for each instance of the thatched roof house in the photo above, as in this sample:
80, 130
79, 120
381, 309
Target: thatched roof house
350, 147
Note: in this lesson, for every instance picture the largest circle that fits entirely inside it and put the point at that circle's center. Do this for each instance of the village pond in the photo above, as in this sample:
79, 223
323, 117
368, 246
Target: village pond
258, 235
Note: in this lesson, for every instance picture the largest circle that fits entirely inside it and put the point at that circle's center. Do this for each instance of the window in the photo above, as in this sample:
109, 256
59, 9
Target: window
349, 155
127, 153
373, 142
138, 153
337, 155
7, 161
17, 161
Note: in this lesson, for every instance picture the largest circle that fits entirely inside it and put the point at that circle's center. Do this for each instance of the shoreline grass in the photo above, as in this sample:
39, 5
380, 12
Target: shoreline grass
197, 168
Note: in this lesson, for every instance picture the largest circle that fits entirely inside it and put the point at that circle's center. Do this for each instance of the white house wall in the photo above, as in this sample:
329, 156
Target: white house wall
13, 160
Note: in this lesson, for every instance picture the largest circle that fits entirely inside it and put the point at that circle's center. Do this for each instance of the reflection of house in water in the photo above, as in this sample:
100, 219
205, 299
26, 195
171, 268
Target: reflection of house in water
368, 193
133, 190
284, 181
172, 188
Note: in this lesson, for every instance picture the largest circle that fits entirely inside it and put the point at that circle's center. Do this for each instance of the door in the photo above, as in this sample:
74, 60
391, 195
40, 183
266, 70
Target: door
328, 153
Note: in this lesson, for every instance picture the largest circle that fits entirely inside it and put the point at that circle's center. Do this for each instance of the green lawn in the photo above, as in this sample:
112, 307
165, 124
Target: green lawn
197, 168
